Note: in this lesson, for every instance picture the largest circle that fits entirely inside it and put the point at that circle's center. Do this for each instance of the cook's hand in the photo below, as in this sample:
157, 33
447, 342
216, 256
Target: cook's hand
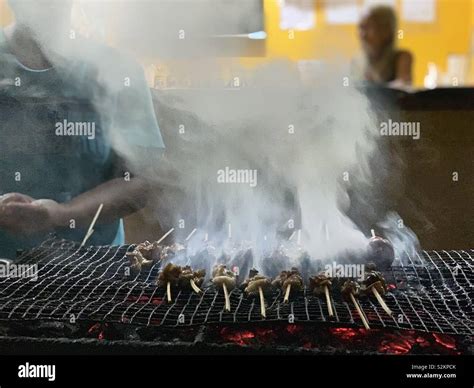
15, 197
25, 218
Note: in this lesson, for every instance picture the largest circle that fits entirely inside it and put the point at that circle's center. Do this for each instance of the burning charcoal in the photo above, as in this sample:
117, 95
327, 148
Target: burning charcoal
380, 251
169, 276
374, 283
319, 285
222, 277
288, 280
350, 290
273, 264
191, 279
257, 284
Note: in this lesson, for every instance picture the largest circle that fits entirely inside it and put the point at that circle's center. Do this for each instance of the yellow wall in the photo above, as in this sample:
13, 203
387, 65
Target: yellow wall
450, 34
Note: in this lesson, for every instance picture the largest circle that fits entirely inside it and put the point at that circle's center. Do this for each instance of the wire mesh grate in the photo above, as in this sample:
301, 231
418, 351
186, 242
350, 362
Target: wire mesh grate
434, 293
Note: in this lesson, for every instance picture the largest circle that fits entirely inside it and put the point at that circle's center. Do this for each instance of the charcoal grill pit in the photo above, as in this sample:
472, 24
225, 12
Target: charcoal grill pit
431, 292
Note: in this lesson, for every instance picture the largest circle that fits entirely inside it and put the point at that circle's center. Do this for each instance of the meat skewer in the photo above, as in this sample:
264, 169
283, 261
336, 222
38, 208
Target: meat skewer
182, 277
189, 278
374, 282
190, 234
319, 284
146, 254
380, 251
165, 235
257, 284
222, 277
350, 289
138, 261
169, 276
288, 280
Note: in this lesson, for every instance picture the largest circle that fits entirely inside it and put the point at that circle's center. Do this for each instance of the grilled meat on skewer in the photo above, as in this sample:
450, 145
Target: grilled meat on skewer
257, 285
320, 285
138, 261
287, 281
374, 283
191, 279
183, 277
146, 254
222, 277
349, 291
380, 251
169, 276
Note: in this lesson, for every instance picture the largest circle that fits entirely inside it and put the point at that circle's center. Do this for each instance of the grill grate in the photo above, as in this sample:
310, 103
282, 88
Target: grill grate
434, 293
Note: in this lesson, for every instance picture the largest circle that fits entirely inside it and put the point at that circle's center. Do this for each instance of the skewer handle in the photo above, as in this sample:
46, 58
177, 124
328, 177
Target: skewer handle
195, 288
328, 301
381, 301
226, 296
262, 303
168, 291
90, 231
287, 293
360, 312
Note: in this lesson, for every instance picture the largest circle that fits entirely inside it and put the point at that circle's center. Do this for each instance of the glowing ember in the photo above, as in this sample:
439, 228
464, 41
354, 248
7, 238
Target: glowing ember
445, 340
145, 299
293, 329
344, 333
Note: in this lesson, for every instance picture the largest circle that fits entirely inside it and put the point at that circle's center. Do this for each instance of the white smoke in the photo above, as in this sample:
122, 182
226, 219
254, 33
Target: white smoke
311, 141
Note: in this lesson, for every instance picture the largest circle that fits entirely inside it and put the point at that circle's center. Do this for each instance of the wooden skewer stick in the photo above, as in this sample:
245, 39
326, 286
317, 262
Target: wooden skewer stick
262, 303
190, 234
328, 301
168, 291
196, 289
91, 226
165, 235
226, 296
360, 312
381, 301
287, 293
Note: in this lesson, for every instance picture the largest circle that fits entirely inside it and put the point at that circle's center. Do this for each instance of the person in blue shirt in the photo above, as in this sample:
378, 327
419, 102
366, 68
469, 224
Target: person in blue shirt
71, 112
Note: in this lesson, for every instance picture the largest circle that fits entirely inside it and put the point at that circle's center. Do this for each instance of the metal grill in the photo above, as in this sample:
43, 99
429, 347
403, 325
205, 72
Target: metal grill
434, 293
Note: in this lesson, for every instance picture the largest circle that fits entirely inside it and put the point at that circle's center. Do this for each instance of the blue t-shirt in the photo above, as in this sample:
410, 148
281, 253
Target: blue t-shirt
63, 129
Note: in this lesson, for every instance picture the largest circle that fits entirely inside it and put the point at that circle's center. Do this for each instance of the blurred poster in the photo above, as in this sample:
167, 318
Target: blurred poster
343, 12
372, 3
297, 14
420, 11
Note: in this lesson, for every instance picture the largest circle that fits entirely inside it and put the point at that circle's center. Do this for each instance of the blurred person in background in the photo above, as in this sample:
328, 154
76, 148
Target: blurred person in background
380, 61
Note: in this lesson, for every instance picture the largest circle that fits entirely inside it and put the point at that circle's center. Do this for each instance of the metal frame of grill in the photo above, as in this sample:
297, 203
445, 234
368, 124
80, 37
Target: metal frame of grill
434, 294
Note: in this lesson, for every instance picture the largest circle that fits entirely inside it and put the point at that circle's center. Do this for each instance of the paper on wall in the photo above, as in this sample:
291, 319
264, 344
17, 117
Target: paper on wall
372, 3
297, 14
343, 12
421, 11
